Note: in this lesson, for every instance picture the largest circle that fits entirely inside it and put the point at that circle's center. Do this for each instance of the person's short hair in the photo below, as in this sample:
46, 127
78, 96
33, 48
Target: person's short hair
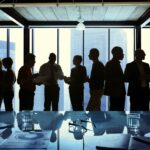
78, 57
139, 52
29, 57
52, 55
95, 51
116, 50
7, 61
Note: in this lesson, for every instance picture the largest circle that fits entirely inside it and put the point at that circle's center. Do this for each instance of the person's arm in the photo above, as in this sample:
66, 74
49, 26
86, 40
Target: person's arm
20, 76
60, 73
148, 73
127, 73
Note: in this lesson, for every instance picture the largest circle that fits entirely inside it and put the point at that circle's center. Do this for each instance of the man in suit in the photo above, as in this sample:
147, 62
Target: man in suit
96, 81
26, 82
114, 80
52, 72
137, 75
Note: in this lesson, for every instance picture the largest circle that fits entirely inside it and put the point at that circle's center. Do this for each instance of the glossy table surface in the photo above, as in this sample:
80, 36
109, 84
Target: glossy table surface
68, 130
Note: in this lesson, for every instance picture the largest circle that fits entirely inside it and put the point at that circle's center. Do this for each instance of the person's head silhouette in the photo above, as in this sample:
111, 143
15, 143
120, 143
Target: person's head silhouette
30, 60
7, 62
117, 53
94, 54
139, 55
52, 58
77, 60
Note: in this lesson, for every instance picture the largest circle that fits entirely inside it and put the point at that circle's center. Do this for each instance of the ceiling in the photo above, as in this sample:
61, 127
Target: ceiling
87, 13
29, 13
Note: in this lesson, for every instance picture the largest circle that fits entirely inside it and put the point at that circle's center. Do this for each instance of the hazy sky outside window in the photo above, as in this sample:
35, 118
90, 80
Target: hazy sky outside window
65, 61
95, 38
3, 43
45, 42
71, 43
146, 43
16, 53
125, 39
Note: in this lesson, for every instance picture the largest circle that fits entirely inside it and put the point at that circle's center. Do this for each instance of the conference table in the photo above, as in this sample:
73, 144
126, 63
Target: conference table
71, 130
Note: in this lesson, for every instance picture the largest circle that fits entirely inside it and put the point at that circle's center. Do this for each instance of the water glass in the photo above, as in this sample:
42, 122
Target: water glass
27, 121
133, 123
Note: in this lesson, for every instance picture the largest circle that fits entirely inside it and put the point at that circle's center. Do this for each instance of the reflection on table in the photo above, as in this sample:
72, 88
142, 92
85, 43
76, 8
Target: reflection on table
70, 130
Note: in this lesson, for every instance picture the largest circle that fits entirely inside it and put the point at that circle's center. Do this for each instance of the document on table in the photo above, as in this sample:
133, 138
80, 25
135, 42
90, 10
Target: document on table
124, 142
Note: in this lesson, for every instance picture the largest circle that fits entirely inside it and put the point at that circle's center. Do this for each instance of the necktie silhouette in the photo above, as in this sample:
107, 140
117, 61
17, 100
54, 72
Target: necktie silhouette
52, 77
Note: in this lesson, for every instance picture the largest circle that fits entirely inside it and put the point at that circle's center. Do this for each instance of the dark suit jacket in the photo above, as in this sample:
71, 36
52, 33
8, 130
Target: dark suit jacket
132, 75
114, 79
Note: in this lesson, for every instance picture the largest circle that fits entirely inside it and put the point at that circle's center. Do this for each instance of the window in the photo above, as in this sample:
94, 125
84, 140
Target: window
146, 44
16, 53
125, 39
44, 43
69, 42
3, 43
95, 38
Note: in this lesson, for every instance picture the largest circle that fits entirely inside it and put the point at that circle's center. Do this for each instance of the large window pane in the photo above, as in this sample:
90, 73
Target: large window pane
125, 39
45, 42
65, 61
146, 43
3, 43
95, 38
70, 44
16, 53
3, 48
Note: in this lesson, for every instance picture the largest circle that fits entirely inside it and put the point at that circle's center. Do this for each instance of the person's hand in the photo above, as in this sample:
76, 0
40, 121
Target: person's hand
35, 75
67, 80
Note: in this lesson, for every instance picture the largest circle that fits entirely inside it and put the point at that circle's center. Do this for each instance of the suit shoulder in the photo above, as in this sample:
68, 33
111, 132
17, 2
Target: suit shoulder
146, 64
101, 64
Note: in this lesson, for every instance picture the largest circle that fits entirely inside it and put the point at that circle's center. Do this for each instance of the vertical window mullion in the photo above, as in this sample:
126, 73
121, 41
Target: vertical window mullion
8, 42
109, 44
83, 46
32, 32
57, 46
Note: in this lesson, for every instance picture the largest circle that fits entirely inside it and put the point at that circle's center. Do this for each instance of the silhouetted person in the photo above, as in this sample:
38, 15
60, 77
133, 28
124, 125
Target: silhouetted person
2, 78
52, 72
10, 79
26, 82
76, 81
137, 75
114, 80
96, 81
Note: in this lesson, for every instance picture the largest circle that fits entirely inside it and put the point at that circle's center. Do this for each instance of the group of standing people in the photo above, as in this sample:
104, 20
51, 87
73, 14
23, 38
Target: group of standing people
104, 80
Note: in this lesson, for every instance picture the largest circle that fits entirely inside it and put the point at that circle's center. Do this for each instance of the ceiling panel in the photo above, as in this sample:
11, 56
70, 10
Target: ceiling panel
99, 13
48, 13
3, 16
125, 13
73, 13
36, 13
61, 13
112, 12
25, 13
87, 13
138, 12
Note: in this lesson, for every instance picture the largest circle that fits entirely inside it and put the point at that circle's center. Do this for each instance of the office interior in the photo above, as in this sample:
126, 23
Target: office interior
41, 130
41, 27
